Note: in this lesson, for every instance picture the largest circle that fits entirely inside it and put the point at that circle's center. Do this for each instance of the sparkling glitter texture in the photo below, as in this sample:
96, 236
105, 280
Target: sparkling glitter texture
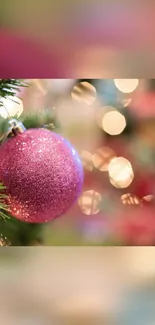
42, 173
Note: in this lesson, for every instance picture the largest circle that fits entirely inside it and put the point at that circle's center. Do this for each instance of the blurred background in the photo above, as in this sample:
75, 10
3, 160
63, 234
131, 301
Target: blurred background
99, 39
111, 124
51, 39
65, 286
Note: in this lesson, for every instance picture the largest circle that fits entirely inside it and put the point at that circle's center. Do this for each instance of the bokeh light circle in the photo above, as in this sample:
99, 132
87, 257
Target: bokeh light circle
89, 202
113, 122
130, 199
121, 173
126, 85
84, 93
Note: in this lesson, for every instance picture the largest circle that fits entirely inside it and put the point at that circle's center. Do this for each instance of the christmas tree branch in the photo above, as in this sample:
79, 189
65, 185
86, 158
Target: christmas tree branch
9, 87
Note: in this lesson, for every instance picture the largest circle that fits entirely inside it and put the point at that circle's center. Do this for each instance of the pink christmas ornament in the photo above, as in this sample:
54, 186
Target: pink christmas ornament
42, 173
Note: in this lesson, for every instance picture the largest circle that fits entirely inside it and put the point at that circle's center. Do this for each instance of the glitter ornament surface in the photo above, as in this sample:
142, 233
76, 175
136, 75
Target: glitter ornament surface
43, 175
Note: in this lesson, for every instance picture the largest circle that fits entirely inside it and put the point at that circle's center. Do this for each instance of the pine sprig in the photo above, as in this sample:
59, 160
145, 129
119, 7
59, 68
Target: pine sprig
4, 209
9, 87
42, 119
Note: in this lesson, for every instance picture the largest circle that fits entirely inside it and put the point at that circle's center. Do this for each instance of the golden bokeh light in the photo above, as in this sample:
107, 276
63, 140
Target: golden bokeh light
89, 202
102, 158
113, 123
87, 160
121, 173
130, 199
126, 85
84, 93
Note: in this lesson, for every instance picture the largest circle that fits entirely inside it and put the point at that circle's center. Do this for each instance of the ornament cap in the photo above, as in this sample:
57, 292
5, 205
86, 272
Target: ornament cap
16, 127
